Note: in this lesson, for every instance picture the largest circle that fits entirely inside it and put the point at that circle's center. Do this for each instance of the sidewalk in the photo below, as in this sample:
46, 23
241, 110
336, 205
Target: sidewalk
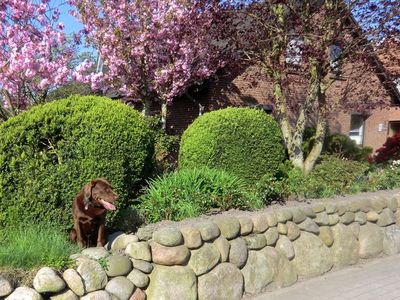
378, 279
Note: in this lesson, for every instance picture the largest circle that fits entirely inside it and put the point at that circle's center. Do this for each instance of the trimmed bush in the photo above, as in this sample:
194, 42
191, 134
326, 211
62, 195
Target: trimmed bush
344, 147
49, 152
243, 141
192, 192
390, 150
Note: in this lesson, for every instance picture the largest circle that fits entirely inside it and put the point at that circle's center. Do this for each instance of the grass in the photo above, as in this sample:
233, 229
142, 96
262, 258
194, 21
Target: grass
33, 246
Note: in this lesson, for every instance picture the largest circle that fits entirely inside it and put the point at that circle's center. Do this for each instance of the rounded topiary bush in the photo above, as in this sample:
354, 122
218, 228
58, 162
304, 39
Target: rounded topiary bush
246, 142
48, 153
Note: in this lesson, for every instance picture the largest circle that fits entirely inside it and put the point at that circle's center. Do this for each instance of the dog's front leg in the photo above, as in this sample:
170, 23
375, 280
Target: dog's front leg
100, 235
79, 240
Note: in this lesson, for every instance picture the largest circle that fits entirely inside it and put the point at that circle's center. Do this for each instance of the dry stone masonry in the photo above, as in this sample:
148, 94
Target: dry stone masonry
226, 256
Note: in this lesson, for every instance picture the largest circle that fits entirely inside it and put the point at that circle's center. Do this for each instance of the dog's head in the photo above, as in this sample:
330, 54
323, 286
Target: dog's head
99, 193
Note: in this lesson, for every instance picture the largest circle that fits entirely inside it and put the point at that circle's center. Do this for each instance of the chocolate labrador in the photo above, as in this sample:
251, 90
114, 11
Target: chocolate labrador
89, 211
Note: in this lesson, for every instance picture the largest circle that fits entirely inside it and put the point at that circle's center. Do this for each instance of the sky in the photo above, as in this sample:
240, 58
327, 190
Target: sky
71, 24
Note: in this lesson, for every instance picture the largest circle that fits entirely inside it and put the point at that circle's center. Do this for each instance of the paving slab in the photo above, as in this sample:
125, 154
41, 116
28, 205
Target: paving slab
378, 279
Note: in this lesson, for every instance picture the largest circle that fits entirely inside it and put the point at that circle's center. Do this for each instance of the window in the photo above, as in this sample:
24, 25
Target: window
356, 132
335, 52
294, 51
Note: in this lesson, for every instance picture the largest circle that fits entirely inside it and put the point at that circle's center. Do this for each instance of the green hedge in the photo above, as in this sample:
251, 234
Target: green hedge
190, 193
246, 142
49, 152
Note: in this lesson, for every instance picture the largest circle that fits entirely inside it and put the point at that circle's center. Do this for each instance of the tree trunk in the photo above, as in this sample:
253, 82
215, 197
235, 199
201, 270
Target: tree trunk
164, 111
146, 110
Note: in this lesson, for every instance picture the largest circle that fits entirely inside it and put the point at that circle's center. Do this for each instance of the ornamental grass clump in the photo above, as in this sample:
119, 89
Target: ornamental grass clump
193, 192
243, 141
50, 152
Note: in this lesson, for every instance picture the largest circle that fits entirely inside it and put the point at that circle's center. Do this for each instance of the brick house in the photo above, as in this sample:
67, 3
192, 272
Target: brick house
367, 128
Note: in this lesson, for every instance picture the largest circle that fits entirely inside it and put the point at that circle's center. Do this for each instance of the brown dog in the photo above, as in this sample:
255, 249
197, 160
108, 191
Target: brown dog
89, 211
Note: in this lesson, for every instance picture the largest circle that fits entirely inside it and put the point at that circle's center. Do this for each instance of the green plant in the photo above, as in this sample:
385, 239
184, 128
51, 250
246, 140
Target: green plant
344, 147
243, 141
49, 152
334, 176
166, 147
30, 246
192, 192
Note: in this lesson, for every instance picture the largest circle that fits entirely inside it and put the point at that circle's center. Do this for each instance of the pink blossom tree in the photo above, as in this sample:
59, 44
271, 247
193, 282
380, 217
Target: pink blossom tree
34, 54
153, 50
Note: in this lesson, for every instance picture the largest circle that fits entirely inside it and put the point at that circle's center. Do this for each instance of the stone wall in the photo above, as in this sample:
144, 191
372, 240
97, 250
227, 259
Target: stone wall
225, 256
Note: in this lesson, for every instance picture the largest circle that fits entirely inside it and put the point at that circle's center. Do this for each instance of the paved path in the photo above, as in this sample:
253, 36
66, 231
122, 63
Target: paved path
375, 280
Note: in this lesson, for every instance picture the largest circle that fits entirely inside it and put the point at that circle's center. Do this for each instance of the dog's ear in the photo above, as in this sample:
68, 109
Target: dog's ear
87, 194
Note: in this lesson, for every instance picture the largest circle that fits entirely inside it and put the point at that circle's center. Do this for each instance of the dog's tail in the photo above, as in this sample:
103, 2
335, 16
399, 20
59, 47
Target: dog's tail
72, 235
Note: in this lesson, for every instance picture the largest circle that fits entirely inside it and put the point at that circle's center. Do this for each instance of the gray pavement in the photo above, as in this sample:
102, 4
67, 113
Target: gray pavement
377, 279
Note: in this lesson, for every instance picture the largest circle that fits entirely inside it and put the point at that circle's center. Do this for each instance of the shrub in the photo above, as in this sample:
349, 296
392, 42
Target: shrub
334, 176
49, 152
344, 147
192, 192
390, 149
33, 246
243, 141
166, 147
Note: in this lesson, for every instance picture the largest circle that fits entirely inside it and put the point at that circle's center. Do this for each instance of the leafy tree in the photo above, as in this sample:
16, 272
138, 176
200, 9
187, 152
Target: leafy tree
322, 42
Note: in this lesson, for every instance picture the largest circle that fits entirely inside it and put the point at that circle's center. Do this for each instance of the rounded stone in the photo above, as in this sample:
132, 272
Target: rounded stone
308, 211
342, 207
333, 219
271, 219
293, 231
285, 246
25, 293
138, 294
48, 281
284, 272
169, 256
204, 259
282, 229
272, 236
118, 265
123, 240
360, 217
191, 237
345, 249
392, 204
139, 250
209, 231
238, 252
225, 281
322, 219
255, 241
93, 276
246, 225
391, 240
74, 281
347, 218
257, 273
355, 205
386, 218
145, 233
326, 235
6, 287
355, 228
138, 278
229, 226
65, 295
95, 252
309, 226
318, 207
372, 216
377, 204
169, 237
260, 223
142, 265
313, 257
223, 247
330, 208
283, 215
120, 287
298, 215
97, 295
371, 240
176, 282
